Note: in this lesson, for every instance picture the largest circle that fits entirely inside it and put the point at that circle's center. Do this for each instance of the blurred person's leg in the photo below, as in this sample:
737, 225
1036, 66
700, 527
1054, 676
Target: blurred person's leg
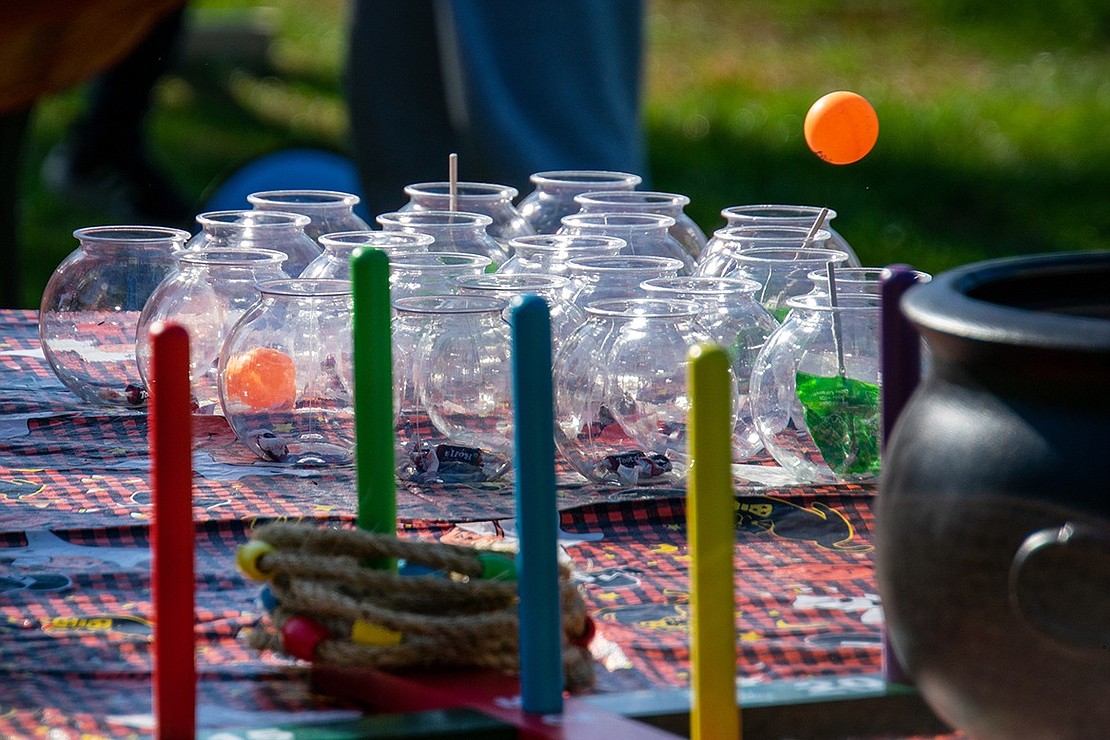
513, 88
400, 129
105, 160
548, 86
13, 128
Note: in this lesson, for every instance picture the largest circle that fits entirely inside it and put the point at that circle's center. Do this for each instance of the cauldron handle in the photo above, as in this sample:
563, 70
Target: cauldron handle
1060, 584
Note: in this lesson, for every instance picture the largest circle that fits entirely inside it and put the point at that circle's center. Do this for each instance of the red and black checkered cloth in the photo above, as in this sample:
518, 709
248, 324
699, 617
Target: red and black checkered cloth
75, 604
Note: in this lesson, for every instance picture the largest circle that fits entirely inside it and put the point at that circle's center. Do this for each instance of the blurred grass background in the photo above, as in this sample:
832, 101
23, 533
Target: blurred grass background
993, 117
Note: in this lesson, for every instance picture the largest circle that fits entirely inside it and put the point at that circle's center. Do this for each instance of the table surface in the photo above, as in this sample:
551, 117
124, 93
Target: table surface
75, 608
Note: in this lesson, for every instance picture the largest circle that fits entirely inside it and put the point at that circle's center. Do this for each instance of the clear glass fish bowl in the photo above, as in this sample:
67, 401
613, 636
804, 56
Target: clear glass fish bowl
286, 375
432, 273
547, 254
328, 211
553, 194
565, 317
335, 261
815, 389
736, 321
777, 259
685, 230
647, 234
490, 199
453, 231
802, 217
207, 294
621, 400
90, 309
278, 230
452, 375
616, 276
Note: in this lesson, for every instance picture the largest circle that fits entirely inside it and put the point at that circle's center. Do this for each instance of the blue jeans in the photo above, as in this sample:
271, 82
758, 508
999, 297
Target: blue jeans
513, 87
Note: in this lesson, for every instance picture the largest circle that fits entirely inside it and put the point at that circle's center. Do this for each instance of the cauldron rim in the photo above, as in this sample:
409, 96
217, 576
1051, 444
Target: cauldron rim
950, 303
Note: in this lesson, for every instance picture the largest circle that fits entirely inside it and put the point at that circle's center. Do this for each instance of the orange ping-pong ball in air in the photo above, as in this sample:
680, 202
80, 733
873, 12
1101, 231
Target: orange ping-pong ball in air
262, 378
841, 127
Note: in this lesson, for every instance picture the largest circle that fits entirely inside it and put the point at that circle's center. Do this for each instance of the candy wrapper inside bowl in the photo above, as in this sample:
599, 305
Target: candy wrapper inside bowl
621, 401
452, 388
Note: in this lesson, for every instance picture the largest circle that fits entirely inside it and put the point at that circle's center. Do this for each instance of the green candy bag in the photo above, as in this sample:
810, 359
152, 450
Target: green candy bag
842, 416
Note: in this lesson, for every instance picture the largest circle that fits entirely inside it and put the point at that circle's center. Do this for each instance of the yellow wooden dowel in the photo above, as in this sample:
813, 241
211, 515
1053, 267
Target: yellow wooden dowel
709, 523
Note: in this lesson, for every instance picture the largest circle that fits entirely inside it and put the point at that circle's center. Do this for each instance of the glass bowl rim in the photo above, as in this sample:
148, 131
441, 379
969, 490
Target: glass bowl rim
743, 286
321, 197
449, 219
625, 197
405, 261
131, 234
413, 238
645, 261
634, 219
649, 308
253, 219
478, 190
530, 241
540, 281
306, 287
237, 256
574, 177
801, 211
474, 304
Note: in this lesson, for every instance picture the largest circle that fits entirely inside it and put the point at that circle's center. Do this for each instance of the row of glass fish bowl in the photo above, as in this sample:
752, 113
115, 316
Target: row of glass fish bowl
481, 218
88, 310
281, 374
807, 390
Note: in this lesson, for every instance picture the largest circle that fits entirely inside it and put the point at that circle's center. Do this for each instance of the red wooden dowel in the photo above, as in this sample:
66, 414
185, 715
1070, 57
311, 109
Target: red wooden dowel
171, 531
486, 691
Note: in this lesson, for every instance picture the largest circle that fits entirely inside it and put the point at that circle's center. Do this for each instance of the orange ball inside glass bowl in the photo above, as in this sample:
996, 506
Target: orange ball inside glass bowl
841, 127
262, 378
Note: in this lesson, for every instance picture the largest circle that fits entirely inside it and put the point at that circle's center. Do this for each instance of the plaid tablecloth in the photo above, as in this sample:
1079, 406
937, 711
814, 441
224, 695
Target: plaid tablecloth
75, 608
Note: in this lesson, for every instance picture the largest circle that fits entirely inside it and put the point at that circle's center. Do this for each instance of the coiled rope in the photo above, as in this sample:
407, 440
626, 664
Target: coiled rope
328, 604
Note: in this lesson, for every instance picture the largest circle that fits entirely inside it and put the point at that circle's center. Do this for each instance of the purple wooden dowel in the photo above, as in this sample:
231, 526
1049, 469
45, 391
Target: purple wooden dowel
900, 361
900, 346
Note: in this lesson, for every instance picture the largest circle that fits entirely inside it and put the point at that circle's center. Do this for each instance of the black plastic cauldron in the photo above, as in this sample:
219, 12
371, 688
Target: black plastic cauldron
993, 519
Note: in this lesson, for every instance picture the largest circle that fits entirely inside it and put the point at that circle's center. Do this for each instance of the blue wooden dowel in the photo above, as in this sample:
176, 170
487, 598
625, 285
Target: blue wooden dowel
541, 663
